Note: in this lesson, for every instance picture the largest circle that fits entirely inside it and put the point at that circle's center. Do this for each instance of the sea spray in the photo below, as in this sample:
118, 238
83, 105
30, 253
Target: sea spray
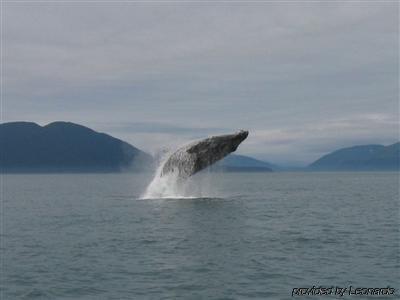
164, 186
171, 185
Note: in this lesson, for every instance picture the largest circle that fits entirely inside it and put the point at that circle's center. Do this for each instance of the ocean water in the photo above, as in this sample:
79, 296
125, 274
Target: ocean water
236, 236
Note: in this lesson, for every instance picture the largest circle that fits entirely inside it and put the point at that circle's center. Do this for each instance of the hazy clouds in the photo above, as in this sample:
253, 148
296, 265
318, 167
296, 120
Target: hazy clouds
303, 78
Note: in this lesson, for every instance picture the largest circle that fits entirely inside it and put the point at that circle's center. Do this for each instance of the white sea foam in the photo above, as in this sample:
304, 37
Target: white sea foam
171, 185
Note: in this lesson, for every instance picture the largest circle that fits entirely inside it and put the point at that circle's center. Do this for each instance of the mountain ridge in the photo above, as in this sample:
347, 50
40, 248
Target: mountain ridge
65, 146
69, 147
360, 158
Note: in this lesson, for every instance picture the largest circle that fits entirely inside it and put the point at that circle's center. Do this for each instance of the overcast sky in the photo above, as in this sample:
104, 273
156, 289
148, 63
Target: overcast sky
305, 78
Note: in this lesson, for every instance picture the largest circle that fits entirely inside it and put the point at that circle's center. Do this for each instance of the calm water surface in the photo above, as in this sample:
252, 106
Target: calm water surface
251, 236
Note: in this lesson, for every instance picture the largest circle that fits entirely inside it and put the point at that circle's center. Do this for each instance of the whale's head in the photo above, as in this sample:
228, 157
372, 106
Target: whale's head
201, 154
212, 149
237, 138
218, 146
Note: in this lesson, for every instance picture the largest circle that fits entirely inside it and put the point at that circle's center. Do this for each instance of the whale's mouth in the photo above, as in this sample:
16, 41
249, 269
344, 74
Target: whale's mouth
239, 137
243, 134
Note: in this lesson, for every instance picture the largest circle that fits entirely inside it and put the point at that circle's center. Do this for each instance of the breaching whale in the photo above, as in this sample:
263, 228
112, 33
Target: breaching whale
196, 156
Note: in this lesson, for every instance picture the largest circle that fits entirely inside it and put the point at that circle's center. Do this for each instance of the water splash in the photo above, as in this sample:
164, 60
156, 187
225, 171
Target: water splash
172, 185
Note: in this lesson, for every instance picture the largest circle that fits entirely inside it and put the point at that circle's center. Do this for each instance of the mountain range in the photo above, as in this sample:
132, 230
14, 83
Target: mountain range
69, 147
360, 158
64, 147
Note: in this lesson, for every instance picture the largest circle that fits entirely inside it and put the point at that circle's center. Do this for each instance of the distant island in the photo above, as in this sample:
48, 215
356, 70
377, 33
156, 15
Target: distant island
69, 147
360, 158
65, 147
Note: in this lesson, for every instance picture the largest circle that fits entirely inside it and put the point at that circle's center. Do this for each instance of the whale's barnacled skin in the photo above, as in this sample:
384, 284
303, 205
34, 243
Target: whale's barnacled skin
196, 156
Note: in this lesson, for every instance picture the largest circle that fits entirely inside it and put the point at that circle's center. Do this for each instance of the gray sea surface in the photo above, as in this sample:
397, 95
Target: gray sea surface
249, 236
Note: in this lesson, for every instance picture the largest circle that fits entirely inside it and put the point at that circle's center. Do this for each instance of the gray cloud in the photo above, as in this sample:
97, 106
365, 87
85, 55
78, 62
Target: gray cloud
304, 78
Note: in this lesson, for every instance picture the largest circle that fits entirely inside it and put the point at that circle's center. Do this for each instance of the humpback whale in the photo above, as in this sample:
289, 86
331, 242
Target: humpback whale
196, 156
